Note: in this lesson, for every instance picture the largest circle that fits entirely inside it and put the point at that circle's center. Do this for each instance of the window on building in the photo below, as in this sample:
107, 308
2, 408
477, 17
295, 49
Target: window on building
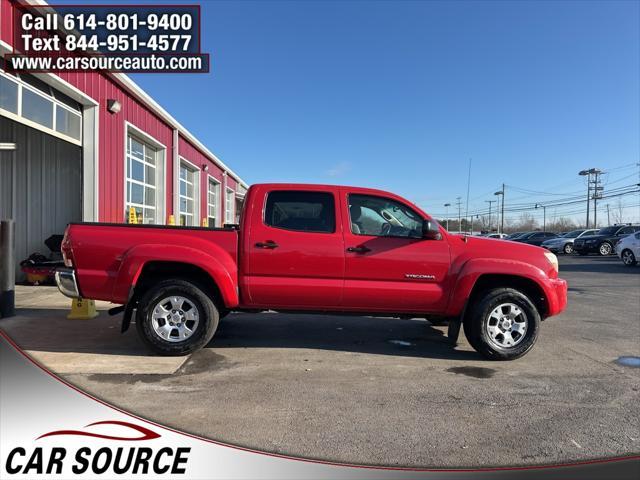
68, 122
212, 202
228, 206
8, 95
37, 108
142, 181
29, 98
301, 211
188, 194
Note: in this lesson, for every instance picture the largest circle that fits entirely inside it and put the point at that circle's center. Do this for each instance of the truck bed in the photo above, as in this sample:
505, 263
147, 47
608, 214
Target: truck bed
105, 254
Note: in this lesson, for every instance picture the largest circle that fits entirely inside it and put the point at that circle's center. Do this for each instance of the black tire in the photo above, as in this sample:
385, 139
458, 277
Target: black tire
605, 248
628, 258
568, 248
477, 318
208, 317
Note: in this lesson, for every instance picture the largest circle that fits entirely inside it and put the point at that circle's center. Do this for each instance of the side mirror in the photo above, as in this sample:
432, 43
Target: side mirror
430, 230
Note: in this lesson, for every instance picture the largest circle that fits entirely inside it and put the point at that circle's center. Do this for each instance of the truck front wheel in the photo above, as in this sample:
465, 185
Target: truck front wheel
502, 324
176, 317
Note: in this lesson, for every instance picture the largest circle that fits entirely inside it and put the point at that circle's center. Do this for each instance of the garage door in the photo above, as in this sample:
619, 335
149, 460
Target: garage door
40, 185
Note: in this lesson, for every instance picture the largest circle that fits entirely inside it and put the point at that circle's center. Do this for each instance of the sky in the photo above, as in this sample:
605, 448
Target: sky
401, 95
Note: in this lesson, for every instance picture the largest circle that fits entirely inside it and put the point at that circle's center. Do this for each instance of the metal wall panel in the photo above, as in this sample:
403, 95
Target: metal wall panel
40, 186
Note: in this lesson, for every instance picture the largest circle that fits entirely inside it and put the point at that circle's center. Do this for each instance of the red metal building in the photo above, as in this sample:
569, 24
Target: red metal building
91, 146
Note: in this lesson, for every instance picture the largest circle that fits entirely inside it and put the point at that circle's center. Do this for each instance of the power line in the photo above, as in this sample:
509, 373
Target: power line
521, 207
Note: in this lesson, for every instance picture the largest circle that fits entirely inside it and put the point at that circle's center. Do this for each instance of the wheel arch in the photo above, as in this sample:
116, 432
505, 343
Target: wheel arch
478, 275
525, 285
155, 271
146, 264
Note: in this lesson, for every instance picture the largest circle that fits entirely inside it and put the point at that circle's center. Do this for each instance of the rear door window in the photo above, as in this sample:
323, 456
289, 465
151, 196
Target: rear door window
301, 211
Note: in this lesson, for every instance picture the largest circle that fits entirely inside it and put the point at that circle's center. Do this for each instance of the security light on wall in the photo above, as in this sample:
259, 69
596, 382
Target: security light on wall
205, 167
114, 106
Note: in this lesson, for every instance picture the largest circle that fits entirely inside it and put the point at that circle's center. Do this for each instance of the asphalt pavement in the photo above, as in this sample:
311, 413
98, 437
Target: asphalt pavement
378, 391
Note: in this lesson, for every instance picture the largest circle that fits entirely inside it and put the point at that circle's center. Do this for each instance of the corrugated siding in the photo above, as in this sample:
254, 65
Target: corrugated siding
6, 22
199, 159
48, 186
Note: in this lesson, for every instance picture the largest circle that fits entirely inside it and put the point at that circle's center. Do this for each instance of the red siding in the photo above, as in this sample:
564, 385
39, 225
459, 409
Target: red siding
195, 156
6, 21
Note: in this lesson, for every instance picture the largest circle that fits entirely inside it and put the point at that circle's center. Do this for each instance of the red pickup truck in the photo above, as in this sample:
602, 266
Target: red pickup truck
314, 248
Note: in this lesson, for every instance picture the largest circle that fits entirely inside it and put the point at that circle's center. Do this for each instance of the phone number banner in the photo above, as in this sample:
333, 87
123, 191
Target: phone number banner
131, 38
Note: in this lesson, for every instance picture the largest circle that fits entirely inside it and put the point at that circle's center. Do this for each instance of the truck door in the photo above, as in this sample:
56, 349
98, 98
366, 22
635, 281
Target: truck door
295, 250
389, 266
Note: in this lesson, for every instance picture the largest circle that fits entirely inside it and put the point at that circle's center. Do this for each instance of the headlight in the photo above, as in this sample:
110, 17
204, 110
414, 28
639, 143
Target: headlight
553, 260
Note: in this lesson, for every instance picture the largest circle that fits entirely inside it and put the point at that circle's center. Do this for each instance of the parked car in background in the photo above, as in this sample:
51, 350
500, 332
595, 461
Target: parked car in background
495, 235
536, 238
604, 241
564, 243
515, 235
628, 249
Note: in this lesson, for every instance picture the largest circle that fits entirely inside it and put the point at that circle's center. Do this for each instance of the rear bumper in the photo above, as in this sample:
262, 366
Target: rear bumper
557, 296
66, 282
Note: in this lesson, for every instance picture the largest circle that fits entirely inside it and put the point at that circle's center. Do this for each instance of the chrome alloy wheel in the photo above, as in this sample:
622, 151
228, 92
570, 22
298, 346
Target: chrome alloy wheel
174, 318
605, 249
507, 325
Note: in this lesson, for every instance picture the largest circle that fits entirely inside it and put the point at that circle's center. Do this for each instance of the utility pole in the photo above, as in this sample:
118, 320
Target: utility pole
596, 195
608, 218
459, 204
544, 216
501, 193
490, 202
588, 174
447, 205
466, 213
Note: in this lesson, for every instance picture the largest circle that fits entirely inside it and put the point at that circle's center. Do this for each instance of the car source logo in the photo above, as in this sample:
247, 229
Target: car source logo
118, 457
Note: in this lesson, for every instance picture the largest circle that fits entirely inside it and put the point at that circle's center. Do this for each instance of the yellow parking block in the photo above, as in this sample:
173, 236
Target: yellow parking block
82, 309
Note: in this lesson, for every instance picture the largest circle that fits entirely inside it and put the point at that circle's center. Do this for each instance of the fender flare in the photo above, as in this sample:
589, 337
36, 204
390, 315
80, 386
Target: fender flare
216, 262
474, 268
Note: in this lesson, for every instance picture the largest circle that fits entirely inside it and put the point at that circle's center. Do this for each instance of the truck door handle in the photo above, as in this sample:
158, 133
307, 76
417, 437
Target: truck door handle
270, 244
358, 249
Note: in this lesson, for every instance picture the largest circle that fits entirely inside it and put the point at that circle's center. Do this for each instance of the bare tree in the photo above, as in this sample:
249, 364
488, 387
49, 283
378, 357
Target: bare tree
617, 213
526, 221
485, 223
562, 224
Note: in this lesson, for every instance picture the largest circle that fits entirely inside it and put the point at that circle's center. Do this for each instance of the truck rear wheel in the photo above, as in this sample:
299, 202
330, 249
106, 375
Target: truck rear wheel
502, 324
176, 317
